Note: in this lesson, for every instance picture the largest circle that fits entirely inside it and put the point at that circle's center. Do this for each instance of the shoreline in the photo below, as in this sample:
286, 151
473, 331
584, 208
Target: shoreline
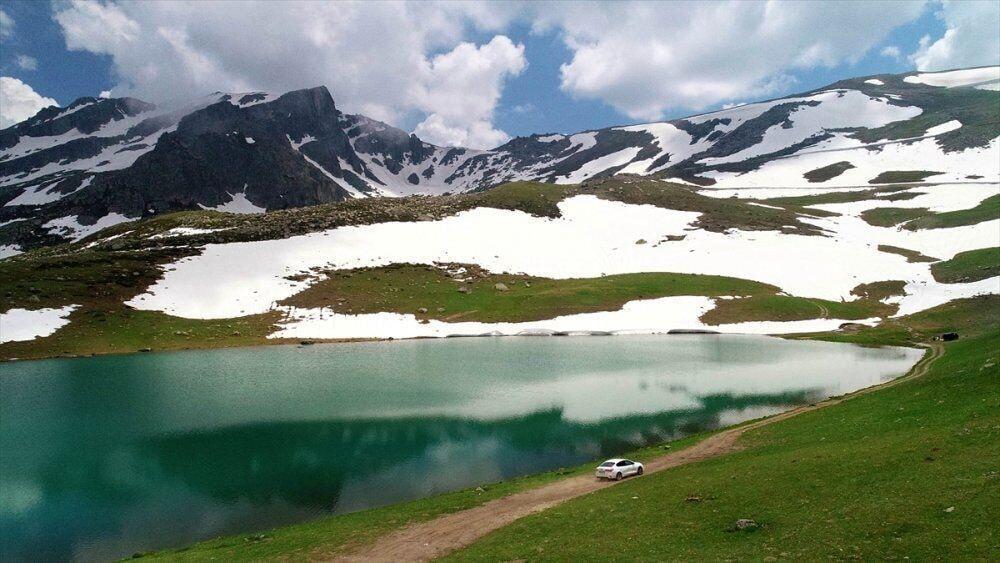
306, 342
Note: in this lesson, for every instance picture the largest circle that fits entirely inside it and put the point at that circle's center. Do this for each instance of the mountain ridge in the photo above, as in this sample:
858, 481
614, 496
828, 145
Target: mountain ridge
65, 170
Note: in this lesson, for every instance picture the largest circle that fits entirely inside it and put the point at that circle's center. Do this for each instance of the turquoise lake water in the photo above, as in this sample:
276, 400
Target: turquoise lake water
107, 456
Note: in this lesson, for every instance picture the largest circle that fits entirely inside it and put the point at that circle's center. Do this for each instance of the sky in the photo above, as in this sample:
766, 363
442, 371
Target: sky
476, 74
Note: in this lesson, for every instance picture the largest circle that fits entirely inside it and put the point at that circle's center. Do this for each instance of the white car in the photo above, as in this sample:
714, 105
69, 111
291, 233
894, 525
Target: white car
618, 468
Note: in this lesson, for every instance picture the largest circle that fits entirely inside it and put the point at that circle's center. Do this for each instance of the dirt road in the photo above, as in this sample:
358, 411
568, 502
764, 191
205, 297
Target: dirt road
427, 540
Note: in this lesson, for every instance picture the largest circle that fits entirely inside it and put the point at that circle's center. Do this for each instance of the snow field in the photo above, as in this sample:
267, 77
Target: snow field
594, 237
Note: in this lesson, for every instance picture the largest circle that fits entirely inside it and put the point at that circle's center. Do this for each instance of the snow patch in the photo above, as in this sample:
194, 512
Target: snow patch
652, 316
953, 78
8, 250
71, 228
178, 232
21, 324
238, 204
944, 128
599, 165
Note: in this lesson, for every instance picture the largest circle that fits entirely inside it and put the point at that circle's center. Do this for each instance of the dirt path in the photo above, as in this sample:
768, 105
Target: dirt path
427, 540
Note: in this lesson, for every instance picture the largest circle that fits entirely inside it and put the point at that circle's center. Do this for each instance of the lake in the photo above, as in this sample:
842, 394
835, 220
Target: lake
107, 456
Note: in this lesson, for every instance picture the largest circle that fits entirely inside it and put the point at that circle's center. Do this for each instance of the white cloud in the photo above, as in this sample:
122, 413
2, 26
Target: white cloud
461, 88
27, 63
891, 52
643, 57
394, 60
6, 25
105, 94
971, 38
384, 59
20, 101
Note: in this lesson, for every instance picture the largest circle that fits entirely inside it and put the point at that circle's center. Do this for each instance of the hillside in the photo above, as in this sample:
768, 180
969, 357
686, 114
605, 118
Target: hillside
68, 172
623, 254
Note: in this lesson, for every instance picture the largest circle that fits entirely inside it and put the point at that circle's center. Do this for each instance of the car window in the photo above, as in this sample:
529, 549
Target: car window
607, 464
624, 463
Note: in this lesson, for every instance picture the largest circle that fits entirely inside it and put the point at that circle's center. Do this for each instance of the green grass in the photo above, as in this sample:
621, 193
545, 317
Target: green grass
975, 315
910, 255
880, 290
902, 176
407, 288
888, 193
121, 330
874, 477
892, 216
828, 172
973, 265
789, 308
987, 210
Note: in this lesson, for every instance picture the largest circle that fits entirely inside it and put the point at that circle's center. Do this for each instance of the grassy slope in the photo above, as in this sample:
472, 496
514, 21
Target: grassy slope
407, 288
987, 210
969, 266
828, 172
113, 270
892, 216
871, 478
900, 176
910, 255
888, 193
788, 308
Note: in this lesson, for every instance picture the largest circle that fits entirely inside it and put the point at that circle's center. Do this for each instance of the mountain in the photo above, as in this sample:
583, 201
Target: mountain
67, 172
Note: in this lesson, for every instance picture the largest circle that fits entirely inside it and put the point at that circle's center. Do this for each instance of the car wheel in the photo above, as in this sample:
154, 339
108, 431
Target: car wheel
639, 472
618, 476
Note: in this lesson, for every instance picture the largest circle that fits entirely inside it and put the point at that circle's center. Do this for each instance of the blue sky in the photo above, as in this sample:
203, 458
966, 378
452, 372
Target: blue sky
523, 93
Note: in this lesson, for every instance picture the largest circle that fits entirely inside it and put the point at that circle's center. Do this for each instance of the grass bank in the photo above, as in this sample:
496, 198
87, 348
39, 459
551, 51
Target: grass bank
970, 266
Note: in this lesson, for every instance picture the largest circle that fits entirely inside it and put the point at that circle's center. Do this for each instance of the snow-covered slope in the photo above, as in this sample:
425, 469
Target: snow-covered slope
66, 170
592, 237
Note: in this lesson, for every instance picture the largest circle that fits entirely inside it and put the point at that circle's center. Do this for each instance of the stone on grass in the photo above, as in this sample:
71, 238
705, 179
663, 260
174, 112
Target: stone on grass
500, 286
746, 524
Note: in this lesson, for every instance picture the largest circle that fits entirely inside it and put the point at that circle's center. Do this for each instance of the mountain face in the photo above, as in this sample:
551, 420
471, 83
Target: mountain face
67, 172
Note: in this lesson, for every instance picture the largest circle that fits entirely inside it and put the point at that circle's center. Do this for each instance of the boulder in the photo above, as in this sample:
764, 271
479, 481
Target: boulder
746, 524
500, 286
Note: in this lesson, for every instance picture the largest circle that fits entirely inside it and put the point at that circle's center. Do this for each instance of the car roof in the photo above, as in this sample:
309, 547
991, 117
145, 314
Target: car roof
614, 459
